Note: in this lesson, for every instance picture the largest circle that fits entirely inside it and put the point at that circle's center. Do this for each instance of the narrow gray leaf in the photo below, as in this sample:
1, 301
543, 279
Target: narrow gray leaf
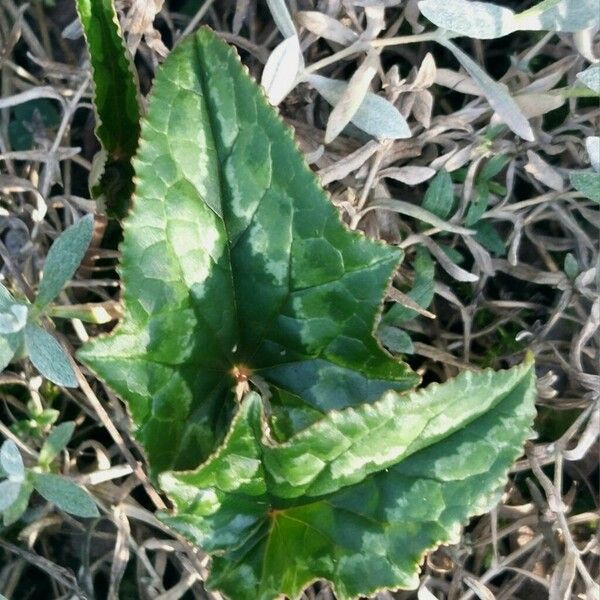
281, 16
65, 494
64, 256
559, 15
10, 459
480, 20
9, 492
9, 344
497, 95
375, 116
13, 319
48, 356
282, 68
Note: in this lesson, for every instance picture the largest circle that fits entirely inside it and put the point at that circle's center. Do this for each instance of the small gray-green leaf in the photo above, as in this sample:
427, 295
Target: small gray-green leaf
480, 20
14, 512
484, 20
48, 356
497, 95
9, 492
592, 145
375, 116
65, 494
13, 319
6, 298
56, 442
559, 15
586, 182
10, 459
591, 78
9, 344
64, 256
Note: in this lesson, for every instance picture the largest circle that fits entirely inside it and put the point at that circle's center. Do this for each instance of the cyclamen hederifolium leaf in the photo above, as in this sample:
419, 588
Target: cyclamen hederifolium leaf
116, 104
485, 20
237, 271
358, 497
234, 261
64, 256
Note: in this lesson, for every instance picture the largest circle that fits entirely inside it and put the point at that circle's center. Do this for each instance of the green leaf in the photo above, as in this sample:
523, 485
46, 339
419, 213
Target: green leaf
64, 256
586, 182
439, 197
15, 511
56, 442
479, 204
238, 275
234, 258
571, 267
65, 494
48, 356
489, 238
41, 111
359, 496
395, 340
11, 461
116, 102
421, 292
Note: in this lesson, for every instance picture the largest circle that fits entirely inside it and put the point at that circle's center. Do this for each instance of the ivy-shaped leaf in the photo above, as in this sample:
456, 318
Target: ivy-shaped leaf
116, 102
358, 497
236, 265
238, 275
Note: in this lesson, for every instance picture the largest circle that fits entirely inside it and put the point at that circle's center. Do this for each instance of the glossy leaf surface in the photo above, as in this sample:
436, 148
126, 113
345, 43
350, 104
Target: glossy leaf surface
116, 102
358, 497
239, 275
234, 261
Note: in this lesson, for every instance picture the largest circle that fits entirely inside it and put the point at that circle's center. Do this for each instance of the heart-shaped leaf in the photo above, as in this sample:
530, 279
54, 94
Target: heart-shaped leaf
238, 276
358, 497
236, 266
